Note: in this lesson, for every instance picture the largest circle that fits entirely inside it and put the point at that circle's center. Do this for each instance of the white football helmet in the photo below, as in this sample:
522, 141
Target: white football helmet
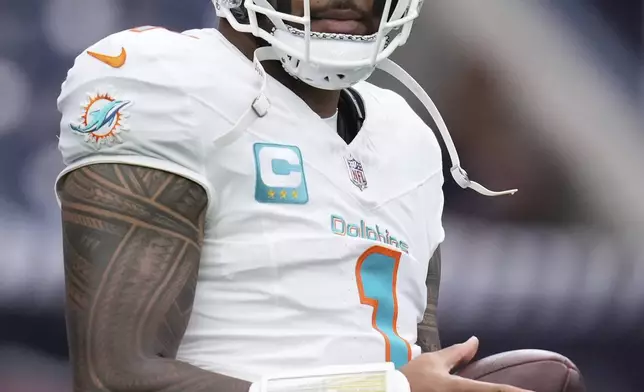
324, 60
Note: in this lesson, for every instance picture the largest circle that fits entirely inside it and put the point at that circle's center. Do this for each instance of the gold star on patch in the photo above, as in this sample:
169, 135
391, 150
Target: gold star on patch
294, 194
271, 194
283, 194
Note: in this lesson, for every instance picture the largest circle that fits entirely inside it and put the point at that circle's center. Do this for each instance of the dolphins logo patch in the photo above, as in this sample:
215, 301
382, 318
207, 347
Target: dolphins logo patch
102, 119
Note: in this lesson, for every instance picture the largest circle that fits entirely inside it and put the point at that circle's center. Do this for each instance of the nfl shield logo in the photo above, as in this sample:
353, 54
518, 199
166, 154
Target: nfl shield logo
356, 173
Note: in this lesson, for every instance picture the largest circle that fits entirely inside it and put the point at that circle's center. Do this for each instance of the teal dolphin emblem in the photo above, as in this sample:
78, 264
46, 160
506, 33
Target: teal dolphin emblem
99, 118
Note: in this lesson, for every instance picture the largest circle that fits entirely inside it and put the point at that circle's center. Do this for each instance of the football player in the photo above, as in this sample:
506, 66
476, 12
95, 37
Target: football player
238, 204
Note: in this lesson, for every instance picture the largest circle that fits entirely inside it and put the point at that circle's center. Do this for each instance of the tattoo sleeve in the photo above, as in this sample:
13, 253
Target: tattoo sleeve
132, 243
428, 338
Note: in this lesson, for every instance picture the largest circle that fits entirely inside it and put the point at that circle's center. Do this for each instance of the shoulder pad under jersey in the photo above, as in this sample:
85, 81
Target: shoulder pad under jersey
127, 100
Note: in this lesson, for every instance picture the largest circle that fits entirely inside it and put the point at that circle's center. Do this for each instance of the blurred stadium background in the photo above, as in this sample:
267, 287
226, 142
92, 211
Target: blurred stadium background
543, 95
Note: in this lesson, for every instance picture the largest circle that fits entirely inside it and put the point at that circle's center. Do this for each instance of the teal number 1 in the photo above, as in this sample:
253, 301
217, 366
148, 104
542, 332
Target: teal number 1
377, 274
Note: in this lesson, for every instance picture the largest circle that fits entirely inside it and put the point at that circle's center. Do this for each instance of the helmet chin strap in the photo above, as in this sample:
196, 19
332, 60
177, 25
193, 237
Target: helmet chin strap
458, 173
261, 105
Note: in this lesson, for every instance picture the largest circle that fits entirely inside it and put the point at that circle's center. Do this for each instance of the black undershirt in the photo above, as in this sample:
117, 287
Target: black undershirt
351, 114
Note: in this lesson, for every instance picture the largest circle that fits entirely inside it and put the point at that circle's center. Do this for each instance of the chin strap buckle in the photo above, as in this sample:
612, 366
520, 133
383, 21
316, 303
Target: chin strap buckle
463, 180
261, 104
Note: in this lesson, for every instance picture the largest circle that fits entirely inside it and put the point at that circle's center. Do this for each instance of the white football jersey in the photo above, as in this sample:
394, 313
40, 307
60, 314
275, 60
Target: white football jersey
316, 251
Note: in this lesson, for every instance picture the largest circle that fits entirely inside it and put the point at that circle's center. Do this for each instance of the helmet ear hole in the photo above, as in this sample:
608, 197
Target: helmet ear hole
240, 14
340, 76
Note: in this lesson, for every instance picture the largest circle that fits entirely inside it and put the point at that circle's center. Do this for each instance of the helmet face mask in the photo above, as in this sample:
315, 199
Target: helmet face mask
323, 60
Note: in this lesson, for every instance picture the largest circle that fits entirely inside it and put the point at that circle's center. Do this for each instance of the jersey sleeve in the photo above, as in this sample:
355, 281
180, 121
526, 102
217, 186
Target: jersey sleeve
132, 108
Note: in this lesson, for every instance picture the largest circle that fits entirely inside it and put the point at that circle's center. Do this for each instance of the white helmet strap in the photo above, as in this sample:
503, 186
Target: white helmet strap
458, 173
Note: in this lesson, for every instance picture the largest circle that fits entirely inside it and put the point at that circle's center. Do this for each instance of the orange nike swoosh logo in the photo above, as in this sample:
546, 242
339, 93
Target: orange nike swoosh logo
112, 61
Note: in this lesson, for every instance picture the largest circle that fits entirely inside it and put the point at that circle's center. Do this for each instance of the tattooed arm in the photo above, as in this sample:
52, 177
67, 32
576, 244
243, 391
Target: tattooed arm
132, 243
428, 338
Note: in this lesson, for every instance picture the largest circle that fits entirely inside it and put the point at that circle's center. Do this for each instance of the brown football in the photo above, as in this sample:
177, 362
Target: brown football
534, 370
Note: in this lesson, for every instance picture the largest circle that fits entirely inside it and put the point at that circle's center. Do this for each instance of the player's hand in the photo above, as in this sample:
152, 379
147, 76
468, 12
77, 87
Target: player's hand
430, 372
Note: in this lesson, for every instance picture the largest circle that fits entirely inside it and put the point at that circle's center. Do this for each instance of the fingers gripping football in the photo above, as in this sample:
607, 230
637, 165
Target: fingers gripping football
430, 372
